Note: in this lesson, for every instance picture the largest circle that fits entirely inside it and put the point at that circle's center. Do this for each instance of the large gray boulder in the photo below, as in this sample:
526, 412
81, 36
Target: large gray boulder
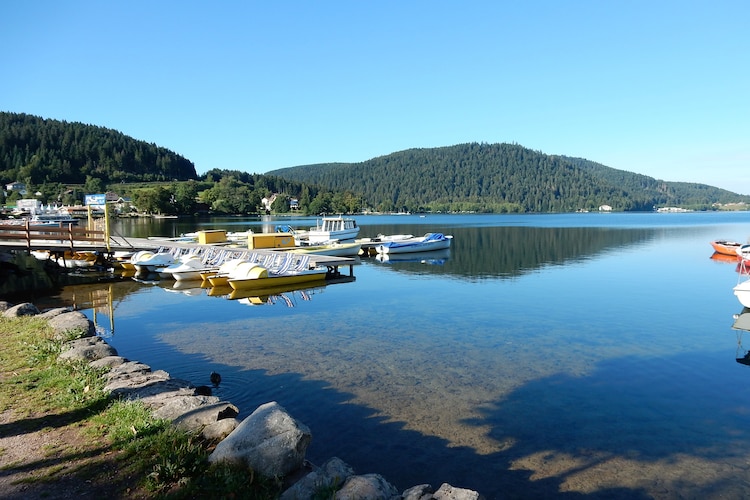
71, 321
367, 487
87, 349
270, 441
23, 309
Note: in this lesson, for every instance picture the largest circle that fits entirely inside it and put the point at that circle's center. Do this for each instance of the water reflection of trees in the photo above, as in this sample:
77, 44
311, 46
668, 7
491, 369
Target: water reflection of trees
23, 277
484, 252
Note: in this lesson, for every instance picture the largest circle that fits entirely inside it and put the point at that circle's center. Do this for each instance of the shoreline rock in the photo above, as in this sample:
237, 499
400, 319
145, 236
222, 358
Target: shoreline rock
269, 440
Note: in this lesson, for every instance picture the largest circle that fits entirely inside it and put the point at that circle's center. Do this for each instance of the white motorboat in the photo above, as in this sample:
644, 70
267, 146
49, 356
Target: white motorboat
368, 244
426, 243
332, 229
332, 249
52, 219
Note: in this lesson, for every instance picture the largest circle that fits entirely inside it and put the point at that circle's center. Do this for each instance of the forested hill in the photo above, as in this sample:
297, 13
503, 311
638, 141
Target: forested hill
500, 178
466, 177
38, 150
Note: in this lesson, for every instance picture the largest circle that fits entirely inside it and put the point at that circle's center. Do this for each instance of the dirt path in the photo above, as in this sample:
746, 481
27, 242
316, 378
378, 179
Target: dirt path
41, 457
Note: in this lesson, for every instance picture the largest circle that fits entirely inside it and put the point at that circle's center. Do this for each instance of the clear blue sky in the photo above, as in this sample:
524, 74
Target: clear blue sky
658, 87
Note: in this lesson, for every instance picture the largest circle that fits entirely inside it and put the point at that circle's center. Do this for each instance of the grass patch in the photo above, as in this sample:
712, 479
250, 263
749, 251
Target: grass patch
68, 399
173, 462
33, 380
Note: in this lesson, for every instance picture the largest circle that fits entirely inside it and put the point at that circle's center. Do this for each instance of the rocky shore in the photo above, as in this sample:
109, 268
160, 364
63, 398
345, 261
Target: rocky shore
269, 441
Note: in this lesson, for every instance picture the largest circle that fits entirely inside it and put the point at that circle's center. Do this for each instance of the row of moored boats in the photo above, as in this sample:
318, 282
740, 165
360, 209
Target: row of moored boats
289, 263
338, 237
733, 250
238, 270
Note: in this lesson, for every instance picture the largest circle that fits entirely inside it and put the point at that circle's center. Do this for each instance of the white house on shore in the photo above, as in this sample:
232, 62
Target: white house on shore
16, 186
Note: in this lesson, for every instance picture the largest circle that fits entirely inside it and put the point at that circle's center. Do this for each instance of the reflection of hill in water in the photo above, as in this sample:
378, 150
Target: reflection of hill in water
483, 252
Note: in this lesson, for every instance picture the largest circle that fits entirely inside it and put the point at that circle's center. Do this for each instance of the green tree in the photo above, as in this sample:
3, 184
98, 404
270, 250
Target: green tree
52, 192
72, 197
281, 204
156, 200
230, 196
321, 204
13, 197
55, 151
346, 202
185, 196
304, 199
94, 185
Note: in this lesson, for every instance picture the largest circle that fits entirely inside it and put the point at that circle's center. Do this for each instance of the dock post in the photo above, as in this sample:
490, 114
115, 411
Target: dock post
106, 226
28, 236
70, 236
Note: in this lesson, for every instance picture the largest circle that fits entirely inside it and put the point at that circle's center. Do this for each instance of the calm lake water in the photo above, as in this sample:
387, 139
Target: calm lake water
544, 356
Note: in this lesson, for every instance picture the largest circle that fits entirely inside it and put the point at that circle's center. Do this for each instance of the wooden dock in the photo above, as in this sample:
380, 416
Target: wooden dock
62, 238
31, 236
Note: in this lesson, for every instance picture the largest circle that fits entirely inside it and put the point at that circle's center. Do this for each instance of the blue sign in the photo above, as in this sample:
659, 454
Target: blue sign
95, 199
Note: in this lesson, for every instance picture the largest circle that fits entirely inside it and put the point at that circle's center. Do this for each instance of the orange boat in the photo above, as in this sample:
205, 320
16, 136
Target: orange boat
726, 247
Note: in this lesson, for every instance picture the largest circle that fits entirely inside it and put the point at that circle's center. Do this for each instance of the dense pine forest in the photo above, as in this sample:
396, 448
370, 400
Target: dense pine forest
501, 178
41, 150
62, 161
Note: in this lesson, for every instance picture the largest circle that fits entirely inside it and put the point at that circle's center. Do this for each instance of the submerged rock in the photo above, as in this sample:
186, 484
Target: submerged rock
448, 492
331, 475
367, 487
